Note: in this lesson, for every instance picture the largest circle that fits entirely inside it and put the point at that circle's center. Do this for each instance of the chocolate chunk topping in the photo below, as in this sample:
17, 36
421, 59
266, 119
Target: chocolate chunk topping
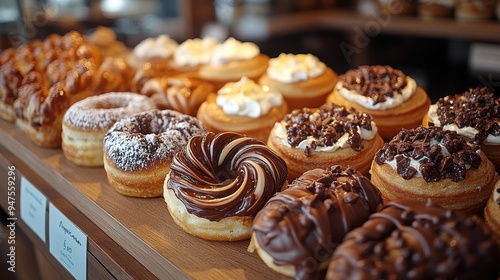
303, 224
440, 154
477, 108
327, 125
376, 82
412, 240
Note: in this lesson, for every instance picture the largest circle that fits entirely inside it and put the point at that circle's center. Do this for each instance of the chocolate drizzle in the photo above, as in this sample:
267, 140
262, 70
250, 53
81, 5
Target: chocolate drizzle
327, 125
440, 154
376, 82
411, 240
226, 174
303, 224
477, 108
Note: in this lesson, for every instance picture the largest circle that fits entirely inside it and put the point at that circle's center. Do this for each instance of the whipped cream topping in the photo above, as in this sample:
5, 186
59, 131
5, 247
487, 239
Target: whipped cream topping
247, 98
367, 102
468, 131
162, 46
193, 52
431, 153
232, 50
290, 68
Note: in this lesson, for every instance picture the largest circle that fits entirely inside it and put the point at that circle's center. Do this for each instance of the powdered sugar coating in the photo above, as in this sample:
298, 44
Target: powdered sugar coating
146, 139
102, 111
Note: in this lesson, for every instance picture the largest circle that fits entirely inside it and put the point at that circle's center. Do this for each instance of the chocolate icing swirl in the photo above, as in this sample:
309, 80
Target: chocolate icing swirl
376, 82
477, 108
303, 224
440, 154
226, 174
413, 240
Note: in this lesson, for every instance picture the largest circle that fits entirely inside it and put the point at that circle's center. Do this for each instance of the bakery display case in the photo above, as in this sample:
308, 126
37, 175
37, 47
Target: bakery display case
69, 220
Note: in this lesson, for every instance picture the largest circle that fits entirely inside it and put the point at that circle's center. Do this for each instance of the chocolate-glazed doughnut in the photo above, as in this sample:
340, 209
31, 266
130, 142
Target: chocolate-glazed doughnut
219, 182
415, 240
299, 228
424, 163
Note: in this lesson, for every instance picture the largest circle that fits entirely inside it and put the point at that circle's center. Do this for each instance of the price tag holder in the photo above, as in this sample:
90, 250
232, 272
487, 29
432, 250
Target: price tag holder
67, 243
33, 208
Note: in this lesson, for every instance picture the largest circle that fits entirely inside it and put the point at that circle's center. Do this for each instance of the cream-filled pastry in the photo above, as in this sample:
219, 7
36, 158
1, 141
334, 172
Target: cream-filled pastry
320, 138
393, 99
474, 114
191, 54
303, 79
244, 107
231, 60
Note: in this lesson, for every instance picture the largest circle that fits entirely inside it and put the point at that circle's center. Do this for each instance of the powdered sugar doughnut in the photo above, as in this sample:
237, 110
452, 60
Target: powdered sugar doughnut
86, 122
138, 150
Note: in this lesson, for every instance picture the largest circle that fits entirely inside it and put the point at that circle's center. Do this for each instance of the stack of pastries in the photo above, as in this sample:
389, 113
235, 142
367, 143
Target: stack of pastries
309, 166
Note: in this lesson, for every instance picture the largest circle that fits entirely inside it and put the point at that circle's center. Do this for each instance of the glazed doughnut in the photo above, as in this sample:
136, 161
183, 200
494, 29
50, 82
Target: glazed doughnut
138, 150
492, 211
474, 114
415, 240
424, 163
86, 122
219, 182
320, 138
181, 94
299, 228
393, 99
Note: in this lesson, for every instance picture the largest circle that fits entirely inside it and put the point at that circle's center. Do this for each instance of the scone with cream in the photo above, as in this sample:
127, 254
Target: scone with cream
393, 99
303, 79
244, 107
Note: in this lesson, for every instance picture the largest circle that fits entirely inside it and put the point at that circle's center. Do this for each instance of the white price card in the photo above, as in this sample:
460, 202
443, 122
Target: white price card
67, 243
33, 208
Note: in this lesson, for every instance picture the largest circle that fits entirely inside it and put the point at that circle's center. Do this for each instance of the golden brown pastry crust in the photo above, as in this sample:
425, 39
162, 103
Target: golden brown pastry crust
469, 195
389, 122
219, 75
215, 120
298, 162
311, 93
492, 213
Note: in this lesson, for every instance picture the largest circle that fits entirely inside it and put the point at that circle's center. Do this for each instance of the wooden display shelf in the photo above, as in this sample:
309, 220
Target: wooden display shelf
142, 227
350, 21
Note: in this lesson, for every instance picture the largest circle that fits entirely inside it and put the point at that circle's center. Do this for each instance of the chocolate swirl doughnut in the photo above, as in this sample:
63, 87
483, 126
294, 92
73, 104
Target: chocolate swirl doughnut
299, 228
414, 240
219, 177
